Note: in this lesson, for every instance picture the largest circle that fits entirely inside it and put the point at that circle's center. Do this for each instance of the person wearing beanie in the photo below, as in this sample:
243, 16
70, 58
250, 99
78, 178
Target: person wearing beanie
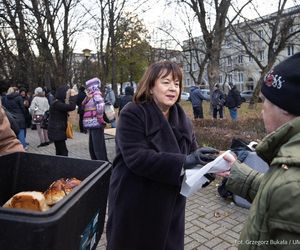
93, 121
233, 101
274, 218
65, 101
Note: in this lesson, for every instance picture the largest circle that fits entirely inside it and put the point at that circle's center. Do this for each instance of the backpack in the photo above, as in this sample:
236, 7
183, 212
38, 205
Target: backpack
246, 155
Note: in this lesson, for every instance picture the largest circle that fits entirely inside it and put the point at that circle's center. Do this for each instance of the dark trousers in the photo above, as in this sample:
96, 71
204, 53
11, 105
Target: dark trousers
61, 148
217, 110
81, 128
97, 145
198, 111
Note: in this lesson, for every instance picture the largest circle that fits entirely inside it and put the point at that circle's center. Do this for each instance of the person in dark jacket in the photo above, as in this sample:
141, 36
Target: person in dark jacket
233, 101
14, 103
8, 140
217, 102
155, 143
65, 101
129, 91
196, 99
274, 218
80, 110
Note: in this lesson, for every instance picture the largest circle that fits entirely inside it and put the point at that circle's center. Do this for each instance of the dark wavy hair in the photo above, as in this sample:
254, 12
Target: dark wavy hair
154, 71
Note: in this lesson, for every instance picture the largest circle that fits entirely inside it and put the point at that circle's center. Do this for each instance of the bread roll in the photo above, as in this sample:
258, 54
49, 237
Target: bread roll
30, 200
59, 189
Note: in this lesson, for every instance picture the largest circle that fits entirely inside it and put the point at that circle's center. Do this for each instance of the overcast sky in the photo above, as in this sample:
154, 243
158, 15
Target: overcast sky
155, 14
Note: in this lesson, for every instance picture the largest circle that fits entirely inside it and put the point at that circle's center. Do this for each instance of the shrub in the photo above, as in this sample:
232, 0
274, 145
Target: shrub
219, 133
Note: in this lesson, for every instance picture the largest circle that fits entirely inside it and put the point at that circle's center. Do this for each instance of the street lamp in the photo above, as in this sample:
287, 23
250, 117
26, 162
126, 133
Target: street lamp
87, 54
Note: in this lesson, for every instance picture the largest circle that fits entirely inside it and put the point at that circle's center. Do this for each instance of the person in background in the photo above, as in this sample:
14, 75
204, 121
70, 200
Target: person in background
110, 98
80, 109
26, 101
275, 196
129, 91
8, 140
13, 102
65, 101
155, 143
39, 105
196, 99
233, 101
217, 102
93, 106
50, 97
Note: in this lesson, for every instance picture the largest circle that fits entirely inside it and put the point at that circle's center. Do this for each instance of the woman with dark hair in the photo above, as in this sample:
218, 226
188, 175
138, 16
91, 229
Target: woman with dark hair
155, 143
65, 101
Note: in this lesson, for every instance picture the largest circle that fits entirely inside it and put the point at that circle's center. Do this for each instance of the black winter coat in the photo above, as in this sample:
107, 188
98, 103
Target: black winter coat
58, 118
233, 98
146, 209
15, 105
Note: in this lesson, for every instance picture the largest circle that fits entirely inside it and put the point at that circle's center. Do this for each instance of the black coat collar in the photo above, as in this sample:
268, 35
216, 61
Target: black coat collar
178, 122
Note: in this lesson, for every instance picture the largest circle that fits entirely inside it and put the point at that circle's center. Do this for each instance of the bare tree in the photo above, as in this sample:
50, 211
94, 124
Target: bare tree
193, 48
43, 26
213, 35
13, 19
274, 32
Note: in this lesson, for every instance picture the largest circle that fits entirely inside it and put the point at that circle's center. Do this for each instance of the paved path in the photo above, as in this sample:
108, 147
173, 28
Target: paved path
211, 222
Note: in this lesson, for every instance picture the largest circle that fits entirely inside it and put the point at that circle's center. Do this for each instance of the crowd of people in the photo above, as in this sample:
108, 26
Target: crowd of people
47, 112
218, 99
156, 145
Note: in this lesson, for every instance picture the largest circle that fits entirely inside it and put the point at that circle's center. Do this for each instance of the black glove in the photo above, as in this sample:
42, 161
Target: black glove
210, 177
201, 156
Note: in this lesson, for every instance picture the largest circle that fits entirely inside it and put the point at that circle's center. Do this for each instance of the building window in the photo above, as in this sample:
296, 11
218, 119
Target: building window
261, 34
220, 79
240, 59
261, 55
194, 66
290, 50
188, 82
240, 76
249, 37
228, 43
229, 61
229, 77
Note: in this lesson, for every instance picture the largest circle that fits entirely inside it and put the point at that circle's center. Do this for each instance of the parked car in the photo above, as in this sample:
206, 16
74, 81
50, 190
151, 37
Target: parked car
206, 94
246, 95
185, 96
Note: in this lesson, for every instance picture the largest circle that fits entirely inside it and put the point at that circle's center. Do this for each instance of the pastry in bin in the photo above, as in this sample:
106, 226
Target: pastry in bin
29, 200
59, 189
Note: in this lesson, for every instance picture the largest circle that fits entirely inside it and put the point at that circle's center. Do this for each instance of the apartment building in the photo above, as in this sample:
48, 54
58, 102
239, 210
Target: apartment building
236, 65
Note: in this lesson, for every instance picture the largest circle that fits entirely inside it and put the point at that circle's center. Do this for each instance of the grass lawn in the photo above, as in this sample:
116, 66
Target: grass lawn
219, 133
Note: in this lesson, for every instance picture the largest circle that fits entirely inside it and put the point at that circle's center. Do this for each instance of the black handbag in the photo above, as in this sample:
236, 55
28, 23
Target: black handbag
37, 118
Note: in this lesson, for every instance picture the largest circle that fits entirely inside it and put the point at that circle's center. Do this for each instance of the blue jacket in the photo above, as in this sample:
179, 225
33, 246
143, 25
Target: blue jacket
196, 96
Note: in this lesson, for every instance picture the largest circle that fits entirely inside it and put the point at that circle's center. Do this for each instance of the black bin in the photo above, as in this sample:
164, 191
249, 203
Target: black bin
76, 222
